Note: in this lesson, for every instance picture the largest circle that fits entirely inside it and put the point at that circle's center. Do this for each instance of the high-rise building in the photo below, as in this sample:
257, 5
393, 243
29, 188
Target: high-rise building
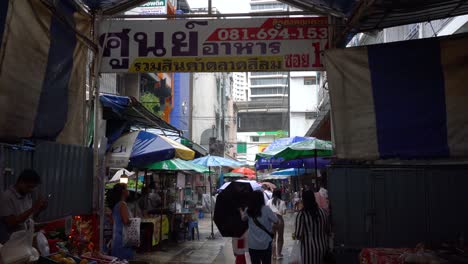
239, 86
263, 114
268, 85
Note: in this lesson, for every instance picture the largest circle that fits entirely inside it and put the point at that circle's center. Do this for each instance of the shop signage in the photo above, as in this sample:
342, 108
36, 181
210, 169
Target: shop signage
153, 7
222, 45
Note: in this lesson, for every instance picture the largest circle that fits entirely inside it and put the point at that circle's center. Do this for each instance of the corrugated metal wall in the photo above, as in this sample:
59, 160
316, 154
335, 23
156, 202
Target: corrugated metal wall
398, 206
14, 161
66, 172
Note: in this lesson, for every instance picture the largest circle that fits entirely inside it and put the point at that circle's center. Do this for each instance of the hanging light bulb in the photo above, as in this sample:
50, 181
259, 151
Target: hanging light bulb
124, 178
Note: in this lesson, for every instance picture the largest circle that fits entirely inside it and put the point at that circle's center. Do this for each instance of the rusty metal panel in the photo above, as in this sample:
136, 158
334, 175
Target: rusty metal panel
67, 174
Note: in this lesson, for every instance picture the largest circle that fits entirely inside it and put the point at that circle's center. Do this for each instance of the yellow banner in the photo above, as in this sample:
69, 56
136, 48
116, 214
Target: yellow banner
208, 64
262, 147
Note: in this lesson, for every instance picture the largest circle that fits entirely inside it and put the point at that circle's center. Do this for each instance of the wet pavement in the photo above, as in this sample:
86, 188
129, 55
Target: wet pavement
218, 250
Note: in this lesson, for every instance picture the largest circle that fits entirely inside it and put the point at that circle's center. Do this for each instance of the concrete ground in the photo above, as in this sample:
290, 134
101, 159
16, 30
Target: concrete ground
218, 250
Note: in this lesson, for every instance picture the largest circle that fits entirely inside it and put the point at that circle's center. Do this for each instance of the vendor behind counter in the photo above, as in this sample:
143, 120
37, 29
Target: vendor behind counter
17, 205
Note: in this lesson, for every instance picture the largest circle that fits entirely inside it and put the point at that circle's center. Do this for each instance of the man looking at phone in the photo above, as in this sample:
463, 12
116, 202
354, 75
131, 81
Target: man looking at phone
16, 205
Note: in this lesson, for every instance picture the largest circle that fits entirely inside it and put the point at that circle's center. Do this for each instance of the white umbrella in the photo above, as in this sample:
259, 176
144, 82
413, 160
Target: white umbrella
120, 173
255, 185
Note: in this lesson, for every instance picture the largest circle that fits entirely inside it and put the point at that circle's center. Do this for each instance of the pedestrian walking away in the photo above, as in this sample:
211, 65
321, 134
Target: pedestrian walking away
260, 236
278, 207
311, 229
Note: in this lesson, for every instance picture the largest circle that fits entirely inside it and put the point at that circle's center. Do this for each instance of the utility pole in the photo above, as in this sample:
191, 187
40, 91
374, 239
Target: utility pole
223, 116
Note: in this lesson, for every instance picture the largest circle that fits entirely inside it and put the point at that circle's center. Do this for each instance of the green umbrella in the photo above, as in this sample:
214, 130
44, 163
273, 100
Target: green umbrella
308, 148
234, 175
303, 149
177, 165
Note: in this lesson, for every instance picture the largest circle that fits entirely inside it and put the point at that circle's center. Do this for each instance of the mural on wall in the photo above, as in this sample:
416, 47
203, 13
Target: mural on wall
156, 93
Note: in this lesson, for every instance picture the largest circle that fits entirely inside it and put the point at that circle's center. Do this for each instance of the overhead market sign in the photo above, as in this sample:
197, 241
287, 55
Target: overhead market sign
153, 7
222, 45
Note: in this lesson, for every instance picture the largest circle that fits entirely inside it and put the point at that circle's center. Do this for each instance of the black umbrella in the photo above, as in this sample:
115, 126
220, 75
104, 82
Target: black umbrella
226, 215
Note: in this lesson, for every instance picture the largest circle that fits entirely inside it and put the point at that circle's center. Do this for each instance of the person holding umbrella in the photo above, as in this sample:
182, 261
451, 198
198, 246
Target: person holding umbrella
261, 219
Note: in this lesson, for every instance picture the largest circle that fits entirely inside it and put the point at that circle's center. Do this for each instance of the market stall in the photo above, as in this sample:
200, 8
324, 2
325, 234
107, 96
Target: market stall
172, 182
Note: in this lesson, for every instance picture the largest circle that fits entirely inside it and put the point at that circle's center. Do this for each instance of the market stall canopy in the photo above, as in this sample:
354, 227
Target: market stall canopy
177, 165
130, 110
308, 148
216, 161
43, 100
423, 117
141, 148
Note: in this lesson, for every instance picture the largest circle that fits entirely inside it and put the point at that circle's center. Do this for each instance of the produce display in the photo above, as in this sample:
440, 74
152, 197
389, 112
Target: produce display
63, 258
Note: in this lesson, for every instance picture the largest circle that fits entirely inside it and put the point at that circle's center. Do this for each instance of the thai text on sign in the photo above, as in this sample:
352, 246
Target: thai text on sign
223, 45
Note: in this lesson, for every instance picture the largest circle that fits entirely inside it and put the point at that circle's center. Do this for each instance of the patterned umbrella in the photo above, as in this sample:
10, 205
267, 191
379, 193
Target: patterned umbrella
141, 148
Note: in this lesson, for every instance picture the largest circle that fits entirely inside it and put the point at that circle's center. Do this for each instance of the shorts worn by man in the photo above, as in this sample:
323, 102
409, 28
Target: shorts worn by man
17, 205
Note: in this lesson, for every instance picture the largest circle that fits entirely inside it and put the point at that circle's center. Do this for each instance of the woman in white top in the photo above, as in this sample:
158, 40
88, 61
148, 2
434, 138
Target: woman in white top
278, 207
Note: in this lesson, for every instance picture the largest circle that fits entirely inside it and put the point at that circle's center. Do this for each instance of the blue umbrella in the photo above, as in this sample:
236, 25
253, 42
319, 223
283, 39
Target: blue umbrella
285, 142
215, 161
290, 172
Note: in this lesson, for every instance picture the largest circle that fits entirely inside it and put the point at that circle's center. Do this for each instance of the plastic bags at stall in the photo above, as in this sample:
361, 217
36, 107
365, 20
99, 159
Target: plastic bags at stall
19, 249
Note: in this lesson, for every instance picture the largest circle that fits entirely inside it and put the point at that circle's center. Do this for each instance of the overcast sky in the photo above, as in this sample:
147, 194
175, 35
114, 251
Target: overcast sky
224, 6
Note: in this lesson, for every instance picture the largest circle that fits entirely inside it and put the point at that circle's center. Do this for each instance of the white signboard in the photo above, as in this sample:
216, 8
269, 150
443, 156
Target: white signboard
222, 45
153, 7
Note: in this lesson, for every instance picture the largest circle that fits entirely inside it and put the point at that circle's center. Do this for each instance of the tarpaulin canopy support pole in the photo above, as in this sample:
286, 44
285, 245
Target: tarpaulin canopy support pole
98, 175
212, 236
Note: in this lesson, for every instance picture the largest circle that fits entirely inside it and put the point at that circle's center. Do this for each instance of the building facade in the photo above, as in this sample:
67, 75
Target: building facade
240, 86
304, 102
212, 112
